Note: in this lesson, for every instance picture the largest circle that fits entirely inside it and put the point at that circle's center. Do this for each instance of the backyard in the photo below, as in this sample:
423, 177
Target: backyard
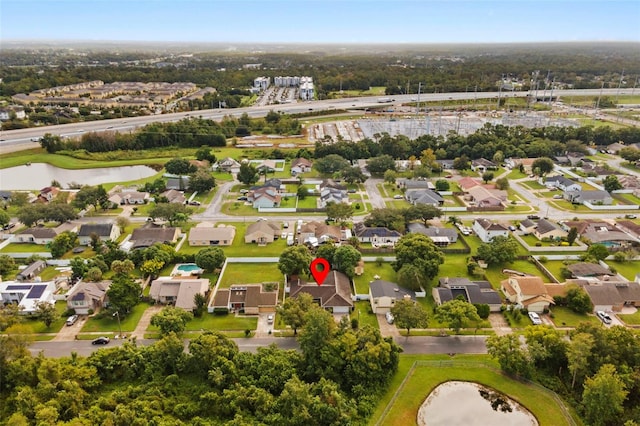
250, 273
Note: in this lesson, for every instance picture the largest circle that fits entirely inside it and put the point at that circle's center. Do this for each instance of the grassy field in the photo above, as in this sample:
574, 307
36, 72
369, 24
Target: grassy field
108, 323
37, 326
384, 271
627, 269
413, 387
630, 319
364, 315
494, 273
221, 323
565, 317
25, 248
250, 273
555, 266
373, 91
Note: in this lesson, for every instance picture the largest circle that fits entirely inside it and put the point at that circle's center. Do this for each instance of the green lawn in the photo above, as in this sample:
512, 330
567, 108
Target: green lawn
555, 266
627, 269
364, 315
565, 317
630, 319
413, 387
25, 248
532, 184
516, 174
494, 273
532, 241
384, 271
222, 322
108, 323
37, 326
250, 273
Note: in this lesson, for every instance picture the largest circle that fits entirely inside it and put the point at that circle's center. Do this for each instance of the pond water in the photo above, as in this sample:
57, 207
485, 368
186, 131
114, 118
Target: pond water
470, 404
40, 175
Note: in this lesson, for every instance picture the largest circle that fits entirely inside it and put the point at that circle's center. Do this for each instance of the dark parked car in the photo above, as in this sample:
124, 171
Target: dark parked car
100, 341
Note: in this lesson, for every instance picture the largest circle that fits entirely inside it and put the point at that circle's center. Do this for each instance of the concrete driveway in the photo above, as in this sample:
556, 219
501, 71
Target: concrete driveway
69, 332
263, 327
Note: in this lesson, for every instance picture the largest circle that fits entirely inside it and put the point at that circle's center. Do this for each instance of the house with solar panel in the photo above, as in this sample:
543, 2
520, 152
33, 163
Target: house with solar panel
27, 295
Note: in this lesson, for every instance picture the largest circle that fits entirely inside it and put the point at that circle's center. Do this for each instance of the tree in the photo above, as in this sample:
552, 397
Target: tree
409, 276
90, 195
418, 250
598, 252
210, 258
390, 177
542, 166
339, 211
122, 223
487, 176
94, 274
630, 154
603, 396
7, 265
580, 345
295, 260
500, 250
547, 348
302, 192
507, 349
172, 212
483, 309
248, 174
9, 315
457, 313
387, 218
379, 165
424, 212
330, 164
353, 175
46, 312
442, 185
345, 259
293, 311
202, 181
502, 184
572, 235
314, 339
51, 143
578, 300
171, 320
122, 267
200, 302
462, 163
123, 294
4, 218
62, 243
611, 183
151, 267
409, 314
204, 154
179, 166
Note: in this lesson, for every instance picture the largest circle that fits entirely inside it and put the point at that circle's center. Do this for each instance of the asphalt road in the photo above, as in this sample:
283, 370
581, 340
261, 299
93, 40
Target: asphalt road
410, 345
26, 136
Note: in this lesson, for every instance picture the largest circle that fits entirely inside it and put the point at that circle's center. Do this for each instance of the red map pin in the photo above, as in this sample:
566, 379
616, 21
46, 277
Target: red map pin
319, 274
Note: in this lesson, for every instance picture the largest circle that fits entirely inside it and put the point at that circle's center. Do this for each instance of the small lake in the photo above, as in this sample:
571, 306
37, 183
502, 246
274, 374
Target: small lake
40, 175
470, 404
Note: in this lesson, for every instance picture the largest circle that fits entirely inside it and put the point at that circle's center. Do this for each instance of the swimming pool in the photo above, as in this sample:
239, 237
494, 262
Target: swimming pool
187, 267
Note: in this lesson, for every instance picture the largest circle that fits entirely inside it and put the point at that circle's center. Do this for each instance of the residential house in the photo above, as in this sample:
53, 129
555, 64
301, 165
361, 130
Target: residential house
629, 227
527, 292
205, 234
481, 165
585, 270
151, 234
562, 183
5, 195
445, 164
174, 196
228, 165
595, 197
610, 235
178, 292
404, 165
41, 235
334, 294
550, 230
441, 237
615, 147
315, 233
514, 163
378, 236
475, 292
48, 193
87, 296
104, 231
611, 296
266, 166
130, 198
487, 230
424, 196
415, 184
179, 183
252, 299
27, 295
467, 183
31, 271
262, 232
597, 171
384, 294
332, 195
300, 165
485, 198
528, 226
264, 196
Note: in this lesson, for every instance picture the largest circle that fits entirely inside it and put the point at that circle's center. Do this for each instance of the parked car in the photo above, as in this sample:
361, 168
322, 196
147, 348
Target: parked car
72, 319
630, 216
389, 317
243, 198
244, 191
533, 217
557, 197
535, 318
194, 203
512, 228
398, 197
270, 319
100, 341
604, 317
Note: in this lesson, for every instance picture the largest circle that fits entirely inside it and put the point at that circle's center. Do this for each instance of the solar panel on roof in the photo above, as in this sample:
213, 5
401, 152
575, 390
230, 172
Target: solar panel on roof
36, 291
18, 287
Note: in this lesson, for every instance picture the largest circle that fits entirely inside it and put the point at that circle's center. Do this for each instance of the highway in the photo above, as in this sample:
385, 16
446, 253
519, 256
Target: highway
28, 136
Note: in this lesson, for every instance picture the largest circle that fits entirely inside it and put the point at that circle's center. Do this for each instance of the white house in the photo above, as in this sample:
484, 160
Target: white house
27, 295
487, 230
104, 231
384, 294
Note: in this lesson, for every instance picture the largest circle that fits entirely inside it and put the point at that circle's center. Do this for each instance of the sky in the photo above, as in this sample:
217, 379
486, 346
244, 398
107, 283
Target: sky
326, 21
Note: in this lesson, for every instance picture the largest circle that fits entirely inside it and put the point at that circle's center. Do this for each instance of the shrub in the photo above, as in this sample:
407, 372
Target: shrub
543, 259
220, 311
247, 333
539, 244
354, 323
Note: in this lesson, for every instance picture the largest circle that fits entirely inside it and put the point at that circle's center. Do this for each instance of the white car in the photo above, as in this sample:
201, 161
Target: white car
604, 317
389, 317
535, 318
